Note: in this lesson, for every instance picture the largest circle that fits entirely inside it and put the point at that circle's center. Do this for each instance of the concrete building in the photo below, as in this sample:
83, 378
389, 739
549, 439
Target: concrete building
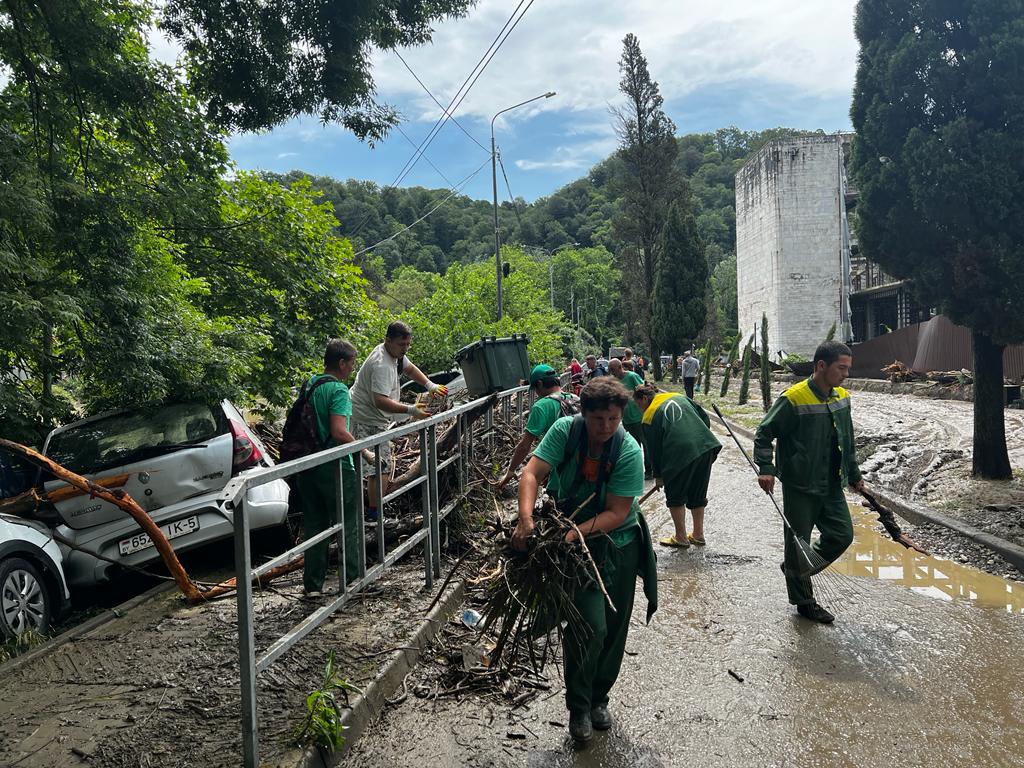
796, 259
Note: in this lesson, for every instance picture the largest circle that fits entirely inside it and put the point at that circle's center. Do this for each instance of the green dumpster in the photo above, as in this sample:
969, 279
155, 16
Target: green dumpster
494, 365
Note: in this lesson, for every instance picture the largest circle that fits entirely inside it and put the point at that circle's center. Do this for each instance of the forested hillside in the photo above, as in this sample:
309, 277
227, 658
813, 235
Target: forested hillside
579, 214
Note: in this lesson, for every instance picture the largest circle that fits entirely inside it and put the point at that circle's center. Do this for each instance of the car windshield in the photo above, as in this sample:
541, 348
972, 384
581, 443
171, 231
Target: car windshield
122, 438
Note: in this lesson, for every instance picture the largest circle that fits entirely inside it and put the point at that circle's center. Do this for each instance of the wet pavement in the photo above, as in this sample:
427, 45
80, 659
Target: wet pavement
921, 668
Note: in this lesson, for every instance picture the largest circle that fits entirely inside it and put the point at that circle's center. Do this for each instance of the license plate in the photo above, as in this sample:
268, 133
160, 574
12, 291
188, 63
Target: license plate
171, 531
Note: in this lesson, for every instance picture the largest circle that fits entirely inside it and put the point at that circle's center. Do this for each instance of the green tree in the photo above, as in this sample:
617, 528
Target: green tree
710, 353
939, 107
647, 181
677, 305
256, 64
745, 381
733, 351
766, 381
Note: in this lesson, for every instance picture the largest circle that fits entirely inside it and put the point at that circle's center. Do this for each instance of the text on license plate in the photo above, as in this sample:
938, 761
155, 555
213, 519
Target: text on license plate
171, 531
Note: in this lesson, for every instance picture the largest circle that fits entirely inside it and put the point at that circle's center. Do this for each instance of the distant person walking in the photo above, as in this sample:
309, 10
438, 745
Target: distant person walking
376, 400
318, 487
815, 457
677, 433
691, 369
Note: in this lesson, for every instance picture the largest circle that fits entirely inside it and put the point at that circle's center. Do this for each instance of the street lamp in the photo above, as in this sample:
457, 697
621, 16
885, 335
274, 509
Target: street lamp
494, 186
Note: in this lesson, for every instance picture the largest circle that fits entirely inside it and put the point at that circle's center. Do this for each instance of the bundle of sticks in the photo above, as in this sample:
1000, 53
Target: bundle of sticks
528, 596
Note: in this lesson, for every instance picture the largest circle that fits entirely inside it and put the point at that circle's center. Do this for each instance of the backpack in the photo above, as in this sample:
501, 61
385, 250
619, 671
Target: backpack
567, 402
300, 436
576, 445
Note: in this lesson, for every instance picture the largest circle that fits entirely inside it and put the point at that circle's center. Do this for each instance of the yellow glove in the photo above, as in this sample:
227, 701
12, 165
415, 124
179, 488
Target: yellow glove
440, 390
418, 411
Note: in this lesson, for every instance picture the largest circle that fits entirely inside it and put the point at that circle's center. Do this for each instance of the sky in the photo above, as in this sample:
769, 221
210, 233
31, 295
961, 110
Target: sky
754, 65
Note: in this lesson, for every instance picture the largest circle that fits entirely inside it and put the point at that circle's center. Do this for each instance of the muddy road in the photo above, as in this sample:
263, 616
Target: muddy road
919, 669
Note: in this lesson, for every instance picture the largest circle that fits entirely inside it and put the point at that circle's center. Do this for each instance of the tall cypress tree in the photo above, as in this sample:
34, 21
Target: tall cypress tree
648, 182
938, 107
745, 381
733, 352
766, 382
677, 305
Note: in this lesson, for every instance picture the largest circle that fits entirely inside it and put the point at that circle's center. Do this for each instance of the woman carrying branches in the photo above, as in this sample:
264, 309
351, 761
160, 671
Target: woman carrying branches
600, 472
677, 432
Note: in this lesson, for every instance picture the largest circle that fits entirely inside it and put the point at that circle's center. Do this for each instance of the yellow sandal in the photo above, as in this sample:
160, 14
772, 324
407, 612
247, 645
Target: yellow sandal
672, 541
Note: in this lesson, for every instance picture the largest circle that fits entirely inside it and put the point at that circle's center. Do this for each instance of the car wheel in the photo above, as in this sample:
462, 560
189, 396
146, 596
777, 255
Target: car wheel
25, 601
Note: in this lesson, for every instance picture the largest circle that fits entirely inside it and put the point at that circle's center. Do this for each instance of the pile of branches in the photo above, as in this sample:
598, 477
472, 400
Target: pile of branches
897, 371
963, 377
528, 596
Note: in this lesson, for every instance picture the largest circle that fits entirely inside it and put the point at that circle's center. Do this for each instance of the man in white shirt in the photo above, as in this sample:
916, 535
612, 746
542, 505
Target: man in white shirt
376, 400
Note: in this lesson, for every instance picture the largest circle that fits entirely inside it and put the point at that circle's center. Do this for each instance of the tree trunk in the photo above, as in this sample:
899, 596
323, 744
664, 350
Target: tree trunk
655, 355
991, 460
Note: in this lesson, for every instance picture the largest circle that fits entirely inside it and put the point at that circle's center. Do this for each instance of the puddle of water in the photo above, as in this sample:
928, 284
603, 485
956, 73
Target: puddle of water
874, 556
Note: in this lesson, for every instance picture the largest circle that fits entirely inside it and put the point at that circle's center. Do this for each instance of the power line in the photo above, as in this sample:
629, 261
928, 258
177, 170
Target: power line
439, 171
507, 28
443, 109
515, 205
452, 194
467, 85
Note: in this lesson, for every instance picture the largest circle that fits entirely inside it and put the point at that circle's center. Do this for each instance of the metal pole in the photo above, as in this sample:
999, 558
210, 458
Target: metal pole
360, 513
425, 490
246, 638
340, 519
497, 242
551, 275
435, 502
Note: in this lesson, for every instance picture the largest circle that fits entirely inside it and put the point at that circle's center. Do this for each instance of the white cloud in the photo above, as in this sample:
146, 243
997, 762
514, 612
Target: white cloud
577, 156
573, 47
283, 155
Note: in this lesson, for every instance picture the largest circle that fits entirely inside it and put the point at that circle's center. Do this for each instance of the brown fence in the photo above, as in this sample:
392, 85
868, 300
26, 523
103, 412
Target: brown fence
935, 345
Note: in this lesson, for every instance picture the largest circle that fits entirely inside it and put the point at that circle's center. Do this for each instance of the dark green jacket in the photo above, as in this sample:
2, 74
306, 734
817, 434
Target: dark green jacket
676, 432
806, 425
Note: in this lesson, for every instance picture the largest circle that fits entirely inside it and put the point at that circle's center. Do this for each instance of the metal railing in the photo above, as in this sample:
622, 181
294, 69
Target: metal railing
234, 498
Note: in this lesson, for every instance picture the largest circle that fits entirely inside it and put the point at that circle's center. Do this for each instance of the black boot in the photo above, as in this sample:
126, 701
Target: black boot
815, 612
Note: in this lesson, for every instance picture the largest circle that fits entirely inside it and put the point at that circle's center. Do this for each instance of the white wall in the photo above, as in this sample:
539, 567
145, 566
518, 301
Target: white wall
788, 240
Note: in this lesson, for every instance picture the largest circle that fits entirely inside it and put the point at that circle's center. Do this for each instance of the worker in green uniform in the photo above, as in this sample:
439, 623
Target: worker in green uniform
631, 417
592, 455
678, 433
551, 404
815, 458
318, 487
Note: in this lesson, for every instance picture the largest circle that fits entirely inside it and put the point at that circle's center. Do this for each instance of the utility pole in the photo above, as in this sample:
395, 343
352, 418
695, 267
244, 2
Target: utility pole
494, 188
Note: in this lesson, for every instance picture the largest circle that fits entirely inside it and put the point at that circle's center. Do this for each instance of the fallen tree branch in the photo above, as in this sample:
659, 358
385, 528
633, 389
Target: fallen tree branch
124, 502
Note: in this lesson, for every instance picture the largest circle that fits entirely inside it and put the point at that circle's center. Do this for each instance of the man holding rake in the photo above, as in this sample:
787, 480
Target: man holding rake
815, 458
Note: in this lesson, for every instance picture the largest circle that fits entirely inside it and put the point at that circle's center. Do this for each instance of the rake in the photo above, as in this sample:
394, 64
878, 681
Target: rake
833, 586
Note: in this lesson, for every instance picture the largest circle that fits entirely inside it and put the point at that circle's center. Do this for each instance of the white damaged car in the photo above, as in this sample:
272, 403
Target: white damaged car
174, 460
33, 591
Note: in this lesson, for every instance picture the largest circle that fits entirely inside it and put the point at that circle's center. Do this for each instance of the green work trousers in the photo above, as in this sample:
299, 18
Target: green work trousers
592, 662
637, 431
831, 516
318, 491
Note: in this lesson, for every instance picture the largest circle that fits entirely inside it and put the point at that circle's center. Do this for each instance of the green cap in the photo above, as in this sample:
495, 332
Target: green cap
542, 371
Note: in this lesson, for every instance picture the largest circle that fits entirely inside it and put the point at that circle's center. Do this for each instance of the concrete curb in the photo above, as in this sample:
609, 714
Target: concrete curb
920, 514
85, 627
368, 706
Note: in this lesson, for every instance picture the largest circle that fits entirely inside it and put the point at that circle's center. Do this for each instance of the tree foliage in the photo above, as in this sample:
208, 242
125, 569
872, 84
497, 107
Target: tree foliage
681, 276
648, 183
255, 64
745, 380
765, 377
938, 111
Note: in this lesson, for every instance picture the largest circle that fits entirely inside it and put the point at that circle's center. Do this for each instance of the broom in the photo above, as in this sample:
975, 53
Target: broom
833, 585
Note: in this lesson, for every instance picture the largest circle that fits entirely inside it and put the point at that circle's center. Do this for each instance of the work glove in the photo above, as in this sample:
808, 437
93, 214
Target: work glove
437, 389
418, 411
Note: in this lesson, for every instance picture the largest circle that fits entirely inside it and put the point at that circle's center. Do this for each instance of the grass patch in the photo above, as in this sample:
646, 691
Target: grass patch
23, 643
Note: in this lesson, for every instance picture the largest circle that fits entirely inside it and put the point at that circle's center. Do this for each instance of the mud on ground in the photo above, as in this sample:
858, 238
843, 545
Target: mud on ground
921, 448
159, 686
